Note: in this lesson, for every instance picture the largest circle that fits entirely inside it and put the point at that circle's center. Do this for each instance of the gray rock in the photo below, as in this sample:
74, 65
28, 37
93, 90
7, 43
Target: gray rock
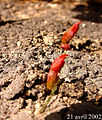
14, 88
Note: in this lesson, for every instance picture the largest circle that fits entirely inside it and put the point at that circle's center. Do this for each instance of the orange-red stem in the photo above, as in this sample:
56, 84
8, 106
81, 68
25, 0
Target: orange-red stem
56, 66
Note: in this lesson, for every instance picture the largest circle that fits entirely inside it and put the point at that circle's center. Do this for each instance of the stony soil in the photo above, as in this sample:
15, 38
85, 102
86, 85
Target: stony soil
30, 37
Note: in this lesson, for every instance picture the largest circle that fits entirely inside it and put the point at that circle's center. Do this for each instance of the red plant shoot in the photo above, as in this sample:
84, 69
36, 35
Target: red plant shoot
58, 63
65, 47
68, 35
56, 66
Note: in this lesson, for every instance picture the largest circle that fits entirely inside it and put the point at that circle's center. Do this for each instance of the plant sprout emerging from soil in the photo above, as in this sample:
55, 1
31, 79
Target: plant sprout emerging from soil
52, 78
56, 66
68, 35
58, 63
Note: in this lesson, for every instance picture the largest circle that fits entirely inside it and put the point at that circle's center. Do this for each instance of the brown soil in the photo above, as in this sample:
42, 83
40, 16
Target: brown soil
30, 36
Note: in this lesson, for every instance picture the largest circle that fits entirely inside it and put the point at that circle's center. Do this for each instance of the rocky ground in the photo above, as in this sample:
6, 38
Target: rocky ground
30, 37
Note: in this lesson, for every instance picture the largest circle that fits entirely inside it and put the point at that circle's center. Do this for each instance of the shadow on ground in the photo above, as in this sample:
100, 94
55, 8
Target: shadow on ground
92, 12
84, 110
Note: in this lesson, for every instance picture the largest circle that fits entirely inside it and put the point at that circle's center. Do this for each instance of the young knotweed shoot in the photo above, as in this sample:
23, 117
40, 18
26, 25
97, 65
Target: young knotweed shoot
58, 63
56, 66
53, 78
68, 35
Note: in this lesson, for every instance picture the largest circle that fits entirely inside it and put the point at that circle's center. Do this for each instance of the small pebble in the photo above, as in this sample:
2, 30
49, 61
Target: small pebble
67, 80
45, 22
53, 5
29, 112
65, 98
19, 43
92, 23
37, 106
48, 40
37, 112
83, 25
